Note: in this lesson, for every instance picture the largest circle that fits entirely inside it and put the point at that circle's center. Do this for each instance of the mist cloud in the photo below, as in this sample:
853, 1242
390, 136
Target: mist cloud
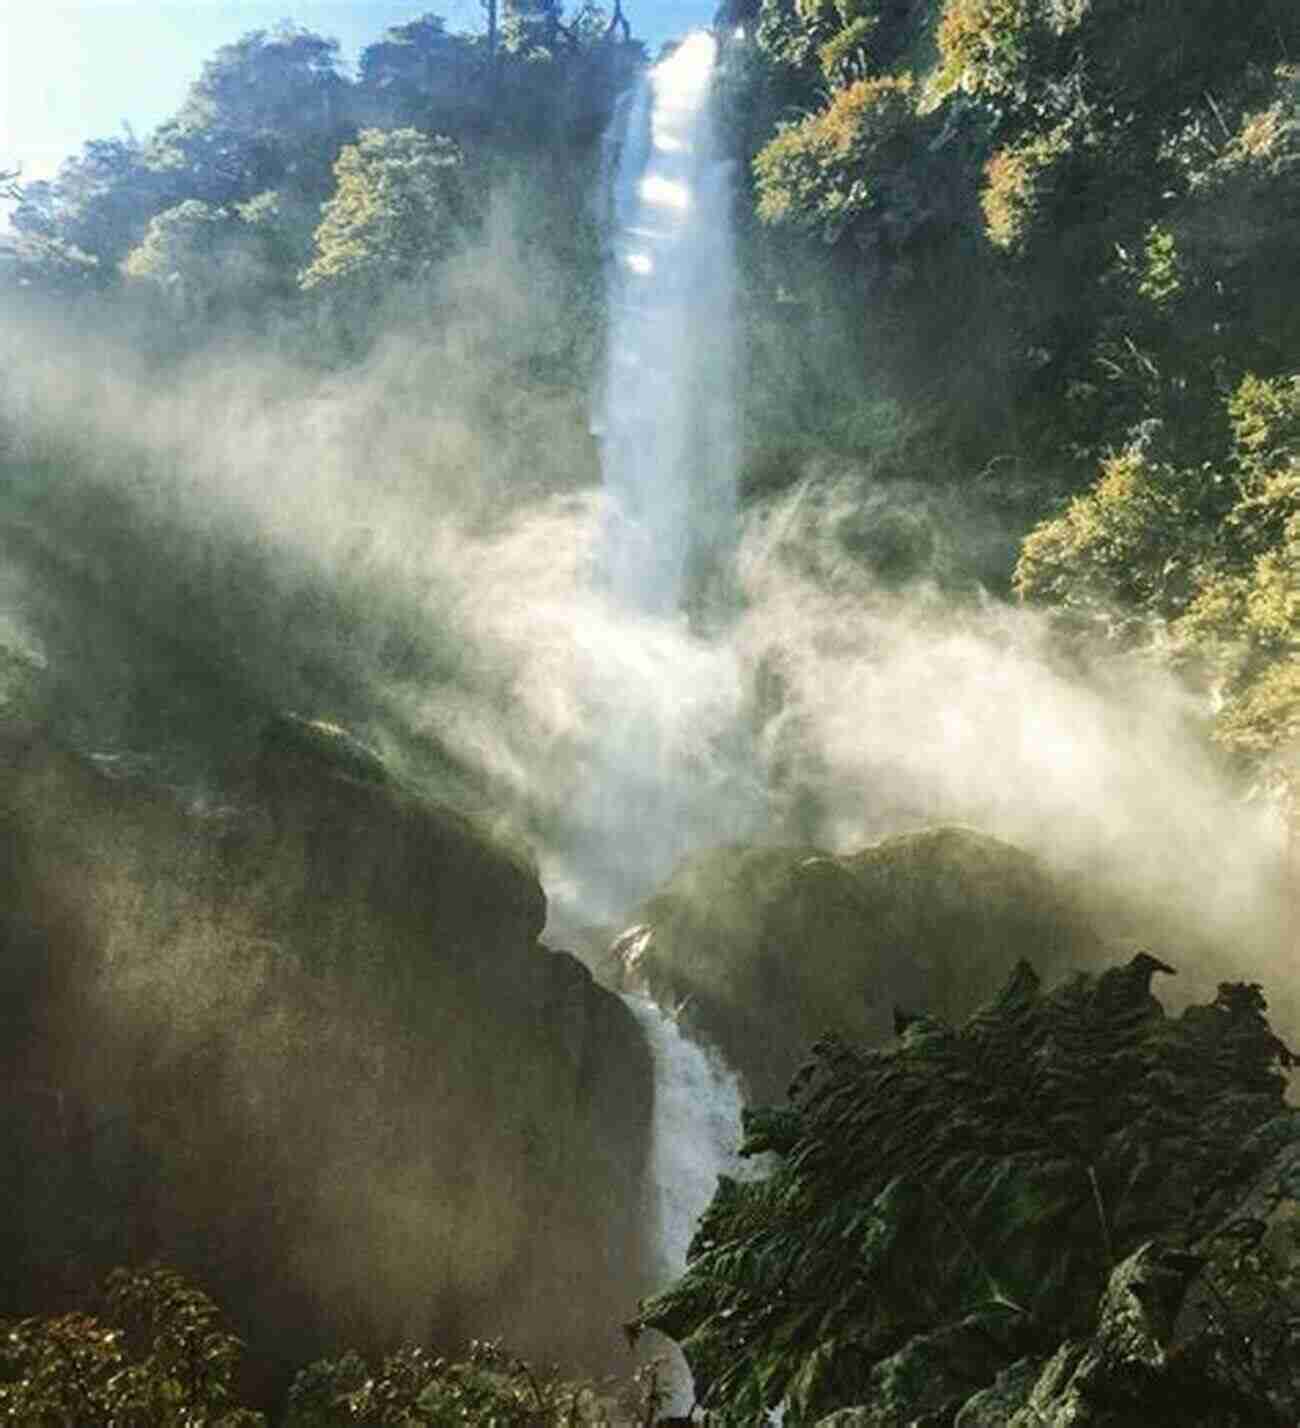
411, 546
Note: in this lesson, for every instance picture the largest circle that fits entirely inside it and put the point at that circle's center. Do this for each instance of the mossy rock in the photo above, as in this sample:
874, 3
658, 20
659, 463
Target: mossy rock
764, 949
326, 747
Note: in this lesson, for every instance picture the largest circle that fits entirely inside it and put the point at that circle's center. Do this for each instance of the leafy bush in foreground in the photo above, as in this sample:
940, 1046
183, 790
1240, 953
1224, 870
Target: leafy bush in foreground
158, 1357
961, 1199
413, 1388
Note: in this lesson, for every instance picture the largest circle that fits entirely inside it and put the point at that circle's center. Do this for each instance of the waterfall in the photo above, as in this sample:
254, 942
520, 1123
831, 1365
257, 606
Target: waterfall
693, 1139
663, 775
668, 423
663, 778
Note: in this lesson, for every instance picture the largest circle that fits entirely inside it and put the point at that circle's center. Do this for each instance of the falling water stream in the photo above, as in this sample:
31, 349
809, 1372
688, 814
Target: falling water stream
693, 1139
669, 455
662, 779
668, 424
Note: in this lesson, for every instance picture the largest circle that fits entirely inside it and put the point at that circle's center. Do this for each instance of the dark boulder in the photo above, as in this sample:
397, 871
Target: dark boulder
765, 949
302, 1042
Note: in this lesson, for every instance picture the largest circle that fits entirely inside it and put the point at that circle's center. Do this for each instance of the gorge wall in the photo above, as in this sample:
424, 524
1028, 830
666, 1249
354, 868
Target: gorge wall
301, 1041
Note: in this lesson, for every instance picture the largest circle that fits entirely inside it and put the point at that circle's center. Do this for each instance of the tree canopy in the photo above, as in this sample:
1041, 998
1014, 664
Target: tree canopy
396, 211
274, 122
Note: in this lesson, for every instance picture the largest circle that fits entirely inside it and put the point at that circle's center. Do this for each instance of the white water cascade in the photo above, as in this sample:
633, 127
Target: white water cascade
693, 1139
664, 777
662, 781
669, 412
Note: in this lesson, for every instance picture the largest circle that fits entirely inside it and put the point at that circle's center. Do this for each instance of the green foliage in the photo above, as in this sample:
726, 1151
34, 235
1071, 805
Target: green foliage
198, 254
984, 46
267, 110
1018, 182
845, 55
218, 205
1123, 547
421, 76
1132, 168
1251, 1336
1265, 418
1245, 622
98, 206
158, 1357
397, 211
1212, 556
982, 1178
415, 1389
820, 173
1162, 279
788, 35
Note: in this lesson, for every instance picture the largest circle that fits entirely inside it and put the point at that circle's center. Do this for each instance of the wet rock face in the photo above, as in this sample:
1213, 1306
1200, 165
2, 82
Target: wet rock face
303, 1043
766, 949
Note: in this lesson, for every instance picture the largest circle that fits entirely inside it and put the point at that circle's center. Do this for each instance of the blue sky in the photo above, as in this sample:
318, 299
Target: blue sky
72, 70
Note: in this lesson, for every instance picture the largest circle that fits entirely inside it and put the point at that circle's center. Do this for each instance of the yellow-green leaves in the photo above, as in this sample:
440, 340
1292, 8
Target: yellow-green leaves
1018, 180
395, 213
1265, 419
816, 174
983, 45
197, 255
1213, 556
1162, 278
1125, 542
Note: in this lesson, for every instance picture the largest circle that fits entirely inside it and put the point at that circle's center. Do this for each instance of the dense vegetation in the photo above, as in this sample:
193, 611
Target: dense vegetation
156, 1354
1043, 249
406, 263
1070, 1209
281, 175
1037, 253
951, 1205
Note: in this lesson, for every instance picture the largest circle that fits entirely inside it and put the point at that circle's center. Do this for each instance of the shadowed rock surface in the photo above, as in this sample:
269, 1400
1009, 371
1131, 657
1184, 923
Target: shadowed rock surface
304, 1044
765, 949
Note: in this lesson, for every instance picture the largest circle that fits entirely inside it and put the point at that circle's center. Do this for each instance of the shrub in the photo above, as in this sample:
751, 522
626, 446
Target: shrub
159, 1357
819, 174
1018, 180
983, 46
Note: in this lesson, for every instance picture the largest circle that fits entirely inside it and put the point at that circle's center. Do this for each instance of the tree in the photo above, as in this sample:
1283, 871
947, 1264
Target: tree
268, 110
419, 75
824, 172
1202, 563
533, 22
421, 1390
32, 255
99, 203
200, 256
398, 210
159, 1357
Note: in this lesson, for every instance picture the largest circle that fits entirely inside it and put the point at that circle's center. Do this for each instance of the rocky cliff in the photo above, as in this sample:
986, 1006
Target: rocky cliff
300, 1039
765, 949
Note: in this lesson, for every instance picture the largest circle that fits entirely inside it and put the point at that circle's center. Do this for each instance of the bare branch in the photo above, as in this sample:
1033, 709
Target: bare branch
618, 20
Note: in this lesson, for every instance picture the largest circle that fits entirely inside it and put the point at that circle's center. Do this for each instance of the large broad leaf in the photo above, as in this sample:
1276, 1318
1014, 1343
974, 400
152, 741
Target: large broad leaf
990, 1175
